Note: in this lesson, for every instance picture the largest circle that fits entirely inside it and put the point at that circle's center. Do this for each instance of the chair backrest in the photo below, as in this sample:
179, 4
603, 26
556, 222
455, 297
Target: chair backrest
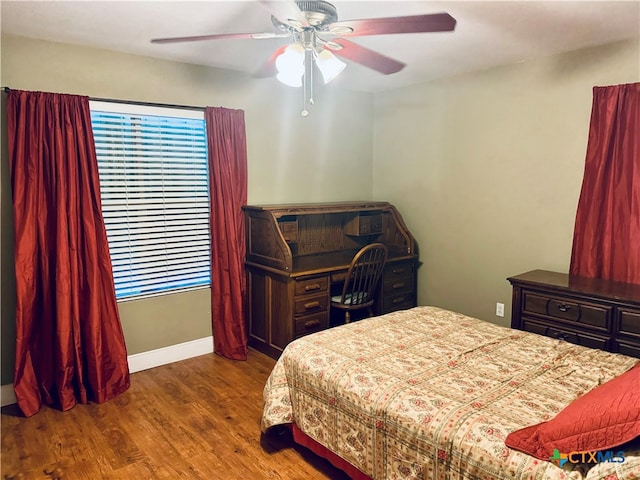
363, 275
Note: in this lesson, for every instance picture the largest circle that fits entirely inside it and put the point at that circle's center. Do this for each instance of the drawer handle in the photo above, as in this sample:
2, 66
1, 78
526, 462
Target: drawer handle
398, 300
558, 335
398, 270
314, 286
311, 324
310, 305
398, 285
563, 307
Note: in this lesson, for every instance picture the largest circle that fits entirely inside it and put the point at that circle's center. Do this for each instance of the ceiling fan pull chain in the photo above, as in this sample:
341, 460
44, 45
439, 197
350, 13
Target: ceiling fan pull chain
305, 87
307, 79
309, 66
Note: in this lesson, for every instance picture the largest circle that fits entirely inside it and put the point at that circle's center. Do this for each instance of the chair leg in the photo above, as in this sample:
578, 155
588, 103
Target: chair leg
347, 316
370, 312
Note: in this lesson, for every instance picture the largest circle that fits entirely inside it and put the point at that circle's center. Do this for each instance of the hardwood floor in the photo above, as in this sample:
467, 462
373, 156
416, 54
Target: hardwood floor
195, 419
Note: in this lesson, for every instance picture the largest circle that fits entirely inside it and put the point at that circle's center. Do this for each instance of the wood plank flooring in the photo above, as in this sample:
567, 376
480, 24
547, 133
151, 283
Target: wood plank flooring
194, 419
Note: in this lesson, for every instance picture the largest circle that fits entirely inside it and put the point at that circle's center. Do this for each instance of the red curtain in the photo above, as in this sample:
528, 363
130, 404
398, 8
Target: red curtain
69, 342
227, 145
606, 241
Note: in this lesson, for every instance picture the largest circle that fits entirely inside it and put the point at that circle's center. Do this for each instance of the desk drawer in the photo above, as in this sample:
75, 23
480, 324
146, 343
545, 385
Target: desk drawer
398, 270
311, 304
398, 286
311, 323
401, 301
338, 277
311, 285
568, 310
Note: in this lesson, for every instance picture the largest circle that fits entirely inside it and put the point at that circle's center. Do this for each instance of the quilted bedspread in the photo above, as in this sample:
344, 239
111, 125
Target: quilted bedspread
431, 394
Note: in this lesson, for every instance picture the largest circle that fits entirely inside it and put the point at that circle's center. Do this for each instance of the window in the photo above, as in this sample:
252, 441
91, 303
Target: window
153, 171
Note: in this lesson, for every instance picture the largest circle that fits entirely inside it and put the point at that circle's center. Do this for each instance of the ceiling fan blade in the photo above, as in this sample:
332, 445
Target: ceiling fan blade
366, 57
435, 22
268, 68
286, 11
220, 36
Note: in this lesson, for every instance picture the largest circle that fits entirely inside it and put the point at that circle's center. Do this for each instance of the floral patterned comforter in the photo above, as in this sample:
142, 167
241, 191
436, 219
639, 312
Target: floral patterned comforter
431, 394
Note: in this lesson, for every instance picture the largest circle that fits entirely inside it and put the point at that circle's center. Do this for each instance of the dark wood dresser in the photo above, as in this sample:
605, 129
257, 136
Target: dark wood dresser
591, 312
298, 256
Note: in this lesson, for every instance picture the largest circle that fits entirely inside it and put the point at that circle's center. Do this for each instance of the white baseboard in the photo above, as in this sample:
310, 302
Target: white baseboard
170, 354
7, 396
143, 361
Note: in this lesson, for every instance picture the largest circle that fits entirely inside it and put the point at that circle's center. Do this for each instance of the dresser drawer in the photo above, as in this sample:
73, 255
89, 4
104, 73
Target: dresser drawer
312, 285
629, 321
631, 349
566, 334
568, 310
628, 337
311, 304
311, 323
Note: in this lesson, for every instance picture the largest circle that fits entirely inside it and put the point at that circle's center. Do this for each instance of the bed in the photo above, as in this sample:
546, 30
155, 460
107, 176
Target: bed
427, 393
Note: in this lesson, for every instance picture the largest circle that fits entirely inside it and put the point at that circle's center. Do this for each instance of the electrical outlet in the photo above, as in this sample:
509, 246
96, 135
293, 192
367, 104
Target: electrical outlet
500, 309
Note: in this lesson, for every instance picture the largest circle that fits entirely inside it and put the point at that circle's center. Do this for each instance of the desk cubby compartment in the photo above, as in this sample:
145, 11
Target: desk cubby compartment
364, 223
289, 229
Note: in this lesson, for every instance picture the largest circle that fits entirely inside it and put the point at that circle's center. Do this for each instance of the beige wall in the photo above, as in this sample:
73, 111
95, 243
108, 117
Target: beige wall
485, 168
490, 168
324, 157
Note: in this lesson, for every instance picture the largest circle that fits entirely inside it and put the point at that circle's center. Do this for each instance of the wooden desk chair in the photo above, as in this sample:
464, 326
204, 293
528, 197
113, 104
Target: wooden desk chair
361, 281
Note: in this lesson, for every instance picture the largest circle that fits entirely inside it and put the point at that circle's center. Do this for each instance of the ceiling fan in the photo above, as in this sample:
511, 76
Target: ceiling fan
318, 37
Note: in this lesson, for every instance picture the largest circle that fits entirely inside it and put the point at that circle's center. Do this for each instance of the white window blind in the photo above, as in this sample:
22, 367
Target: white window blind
153, 171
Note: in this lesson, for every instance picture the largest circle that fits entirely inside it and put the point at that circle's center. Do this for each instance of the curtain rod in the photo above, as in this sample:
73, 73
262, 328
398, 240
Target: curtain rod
134, 102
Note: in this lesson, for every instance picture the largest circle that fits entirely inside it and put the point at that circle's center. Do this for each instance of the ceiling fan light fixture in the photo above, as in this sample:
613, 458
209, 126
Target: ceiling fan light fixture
290, 65
290, 79
330, 67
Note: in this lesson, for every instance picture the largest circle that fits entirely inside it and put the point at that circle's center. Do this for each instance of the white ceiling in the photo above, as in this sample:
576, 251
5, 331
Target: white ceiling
487, 33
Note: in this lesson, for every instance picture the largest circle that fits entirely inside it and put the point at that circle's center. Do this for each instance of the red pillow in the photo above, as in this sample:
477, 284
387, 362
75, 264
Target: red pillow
603, 418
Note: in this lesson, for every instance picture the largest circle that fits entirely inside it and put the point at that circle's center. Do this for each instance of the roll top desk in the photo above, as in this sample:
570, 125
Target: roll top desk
298, 256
